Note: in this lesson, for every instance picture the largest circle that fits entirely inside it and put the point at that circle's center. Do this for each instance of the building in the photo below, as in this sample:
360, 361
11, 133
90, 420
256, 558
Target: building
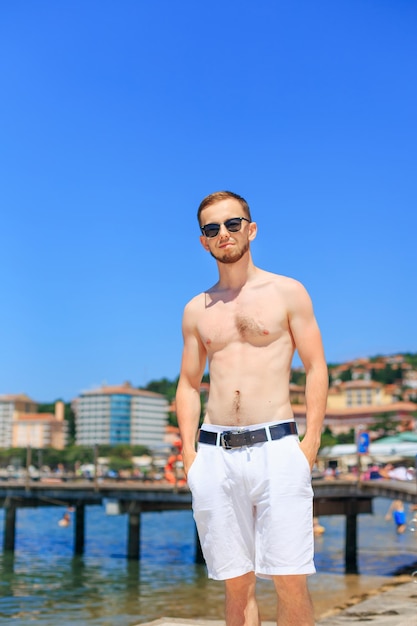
343, 420
112, 415
363, 403
40, 430
354, 393
10, 406
410, 379
21, 424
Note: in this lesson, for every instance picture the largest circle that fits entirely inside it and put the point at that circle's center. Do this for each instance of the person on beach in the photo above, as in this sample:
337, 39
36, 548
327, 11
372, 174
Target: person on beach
251, 477
65, 520
318, 529
399, 472
397, 511
413, 522
174, 468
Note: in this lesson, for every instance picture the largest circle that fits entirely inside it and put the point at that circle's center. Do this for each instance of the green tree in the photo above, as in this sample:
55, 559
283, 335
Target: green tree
13, 456
346, 437
69, 416
163, 386
384, 423
50, 457
139, 450
411, 358
298, 378
345, 376
327, 438
77, 454
122, 451
385, 376
117, 463
168, 388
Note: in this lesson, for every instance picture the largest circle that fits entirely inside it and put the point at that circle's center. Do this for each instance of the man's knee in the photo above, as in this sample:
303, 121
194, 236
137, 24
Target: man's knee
241, 583
290, 584
241, 605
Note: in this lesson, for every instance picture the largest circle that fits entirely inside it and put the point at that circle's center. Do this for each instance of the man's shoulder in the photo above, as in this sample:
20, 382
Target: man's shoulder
284, 282
199, 300
289, 290
196, 302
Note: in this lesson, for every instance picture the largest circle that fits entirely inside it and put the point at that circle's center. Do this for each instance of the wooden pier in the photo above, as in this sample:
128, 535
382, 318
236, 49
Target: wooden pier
332, 497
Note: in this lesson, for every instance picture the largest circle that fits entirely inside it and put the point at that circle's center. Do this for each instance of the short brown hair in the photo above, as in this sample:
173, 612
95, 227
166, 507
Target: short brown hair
223, 195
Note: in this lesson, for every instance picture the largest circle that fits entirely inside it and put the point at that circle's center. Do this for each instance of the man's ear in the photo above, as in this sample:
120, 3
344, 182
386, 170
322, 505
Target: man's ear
203, 241
253, 230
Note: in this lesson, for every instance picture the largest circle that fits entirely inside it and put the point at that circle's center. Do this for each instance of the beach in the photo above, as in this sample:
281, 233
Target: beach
392, 600
392, 604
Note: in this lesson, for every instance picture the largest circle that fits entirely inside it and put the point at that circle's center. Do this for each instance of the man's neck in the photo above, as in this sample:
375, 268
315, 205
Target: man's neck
233, 276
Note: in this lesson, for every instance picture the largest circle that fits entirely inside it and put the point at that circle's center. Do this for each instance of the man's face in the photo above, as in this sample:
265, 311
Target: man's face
226, 246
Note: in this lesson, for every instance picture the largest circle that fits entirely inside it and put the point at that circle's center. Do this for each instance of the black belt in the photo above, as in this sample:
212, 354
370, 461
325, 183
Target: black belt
240, 437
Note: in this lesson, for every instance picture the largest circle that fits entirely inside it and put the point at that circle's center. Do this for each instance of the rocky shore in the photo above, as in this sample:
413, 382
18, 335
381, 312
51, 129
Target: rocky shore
393, 604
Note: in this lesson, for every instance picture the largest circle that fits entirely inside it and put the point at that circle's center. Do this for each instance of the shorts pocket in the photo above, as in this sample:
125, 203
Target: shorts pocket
191, 471
304, 458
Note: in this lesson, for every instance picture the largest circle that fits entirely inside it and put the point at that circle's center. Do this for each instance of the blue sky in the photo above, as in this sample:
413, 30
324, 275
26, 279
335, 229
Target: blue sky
118, 117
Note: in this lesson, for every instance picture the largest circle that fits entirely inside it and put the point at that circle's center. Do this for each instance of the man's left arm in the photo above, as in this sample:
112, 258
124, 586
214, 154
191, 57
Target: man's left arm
308, 342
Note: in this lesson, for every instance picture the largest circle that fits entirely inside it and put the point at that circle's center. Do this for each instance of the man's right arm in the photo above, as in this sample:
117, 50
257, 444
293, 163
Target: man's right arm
188, 403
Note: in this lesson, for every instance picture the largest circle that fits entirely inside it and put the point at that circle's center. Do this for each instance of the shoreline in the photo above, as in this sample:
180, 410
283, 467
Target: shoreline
388, 605
368, 587
393, 604
392, 583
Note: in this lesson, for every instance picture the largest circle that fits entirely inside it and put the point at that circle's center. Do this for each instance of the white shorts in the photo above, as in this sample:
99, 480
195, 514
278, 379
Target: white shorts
253, 507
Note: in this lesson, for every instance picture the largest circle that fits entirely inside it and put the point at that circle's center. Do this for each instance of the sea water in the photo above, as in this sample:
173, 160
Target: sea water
43, 582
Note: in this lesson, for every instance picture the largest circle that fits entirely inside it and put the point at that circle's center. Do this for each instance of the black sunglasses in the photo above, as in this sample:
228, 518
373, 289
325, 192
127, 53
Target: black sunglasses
233, 226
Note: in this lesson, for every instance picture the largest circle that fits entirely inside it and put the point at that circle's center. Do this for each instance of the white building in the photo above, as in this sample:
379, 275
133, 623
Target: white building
120, 414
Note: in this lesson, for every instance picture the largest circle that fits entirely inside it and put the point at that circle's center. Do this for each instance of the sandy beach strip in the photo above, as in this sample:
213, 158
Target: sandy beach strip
392, 604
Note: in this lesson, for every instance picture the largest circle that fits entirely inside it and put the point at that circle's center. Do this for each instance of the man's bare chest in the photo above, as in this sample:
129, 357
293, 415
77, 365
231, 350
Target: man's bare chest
224, 323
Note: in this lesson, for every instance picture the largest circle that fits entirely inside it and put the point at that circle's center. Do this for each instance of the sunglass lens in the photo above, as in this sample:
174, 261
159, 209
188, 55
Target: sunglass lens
211, 230
233, 225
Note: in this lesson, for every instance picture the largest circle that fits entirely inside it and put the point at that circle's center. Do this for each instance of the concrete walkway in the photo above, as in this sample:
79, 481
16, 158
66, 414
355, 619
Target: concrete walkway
395, 607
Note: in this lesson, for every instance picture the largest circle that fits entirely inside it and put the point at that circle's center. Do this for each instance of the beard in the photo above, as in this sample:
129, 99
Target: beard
234, 257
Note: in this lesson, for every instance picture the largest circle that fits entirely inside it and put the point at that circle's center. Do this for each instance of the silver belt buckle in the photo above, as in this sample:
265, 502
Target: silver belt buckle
224, 440
226, 435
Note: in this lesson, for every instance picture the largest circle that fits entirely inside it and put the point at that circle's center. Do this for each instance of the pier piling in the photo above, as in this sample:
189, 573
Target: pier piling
351, 552
79, 529
9, 527
133, 535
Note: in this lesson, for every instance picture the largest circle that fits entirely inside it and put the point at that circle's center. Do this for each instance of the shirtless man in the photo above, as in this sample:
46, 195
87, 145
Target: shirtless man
251, 477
